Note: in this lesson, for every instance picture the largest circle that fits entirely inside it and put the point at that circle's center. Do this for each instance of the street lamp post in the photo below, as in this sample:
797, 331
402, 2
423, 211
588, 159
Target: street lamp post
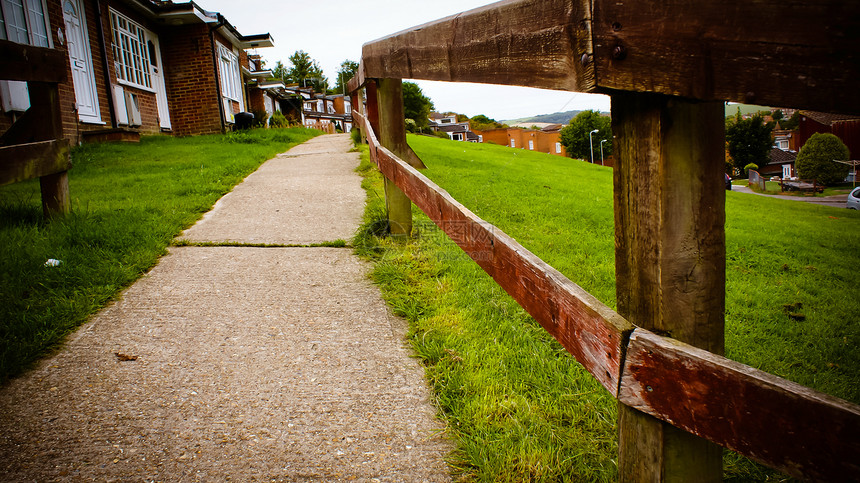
601, 150
591, 144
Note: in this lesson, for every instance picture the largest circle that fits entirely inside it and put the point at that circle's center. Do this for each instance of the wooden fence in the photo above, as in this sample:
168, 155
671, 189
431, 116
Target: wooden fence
32, 147
668, 67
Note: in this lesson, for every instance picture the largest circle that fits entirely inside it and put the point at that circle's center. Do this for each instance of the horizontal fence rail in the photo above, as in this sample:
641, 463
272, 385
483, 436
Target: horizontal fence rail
802, 55
769, 419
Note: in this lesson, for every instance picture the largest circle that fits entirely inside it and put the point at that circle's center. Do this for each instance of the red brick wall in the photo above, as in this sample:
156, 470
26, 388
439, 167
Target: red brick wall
192, 88
543, 141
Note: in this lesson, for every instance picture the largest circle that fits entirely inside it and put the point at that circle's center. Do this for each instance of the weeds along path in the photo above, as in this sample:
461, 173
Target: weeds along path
238, 362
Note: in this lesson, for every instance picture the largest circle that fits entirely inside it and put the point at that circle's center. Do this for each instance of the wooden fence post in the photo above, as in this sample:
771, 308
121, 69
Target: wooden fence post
669, 258
45, 100
392, 135
357, 102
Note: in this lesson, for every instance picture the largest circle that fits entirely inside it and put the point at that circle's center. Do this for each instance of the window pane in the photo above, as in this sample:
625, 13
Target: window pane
37, 23
130, 51
2, 25
16, 25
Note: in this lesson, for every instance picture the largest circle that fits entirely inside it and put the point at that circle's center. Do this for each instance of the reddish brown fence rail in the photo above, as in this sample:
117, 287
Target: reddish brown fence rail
664, 63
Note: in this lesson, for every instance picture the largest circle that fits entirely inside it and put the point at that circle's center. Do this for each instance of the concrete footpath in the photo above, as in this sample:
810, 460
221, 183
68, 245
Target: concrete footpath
238, 363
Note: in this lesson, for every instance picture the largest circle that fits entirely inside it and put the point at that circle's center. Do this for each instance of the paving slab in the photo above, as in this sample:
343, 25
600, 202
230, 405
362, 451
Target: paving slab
277, 364
310, 194
238, 363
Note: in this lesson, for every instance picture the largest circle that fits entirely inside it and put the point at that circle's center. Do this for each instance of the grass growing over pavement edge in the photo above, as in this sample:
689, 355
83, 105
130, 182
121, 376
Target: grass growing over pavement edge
128, 202
518, 406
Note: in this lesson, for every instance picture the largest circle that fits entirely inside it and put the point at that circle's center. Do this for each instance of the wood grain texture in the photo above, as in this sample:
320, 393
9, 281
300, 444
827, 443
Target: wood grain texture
803, 54
28, 63
33, 160
784, 425
587, 328
670, 216
669, 257
56, 199
537, 43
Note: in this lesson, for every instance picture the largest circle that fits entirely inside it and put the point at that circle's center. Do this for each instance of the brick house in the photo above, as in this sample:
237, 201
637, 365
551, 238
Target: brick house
546, 140
780, 164
120, 76
845, 127
321, 110
456, 131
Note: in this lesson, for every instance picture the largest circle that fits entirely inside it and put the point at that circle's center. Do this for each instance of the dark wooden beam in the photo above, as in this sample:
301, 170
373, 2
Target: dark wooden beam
27, 161
803, 54
27, 63
804, 433
537, 43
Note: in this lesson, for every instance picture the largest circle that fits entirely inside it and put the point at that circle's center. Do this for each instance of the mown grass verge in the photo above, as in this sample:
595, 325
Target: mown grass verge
128, 202
519, 407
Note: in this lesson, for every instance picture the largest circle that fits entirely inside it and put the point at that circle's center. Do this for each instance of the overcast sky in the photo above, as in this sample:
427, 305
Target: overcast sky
332, 31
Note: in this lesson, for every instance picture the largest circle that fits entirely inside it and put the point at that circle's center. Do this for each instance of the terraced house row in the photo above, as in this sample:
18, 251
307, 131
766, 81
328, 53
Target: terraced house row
137, 66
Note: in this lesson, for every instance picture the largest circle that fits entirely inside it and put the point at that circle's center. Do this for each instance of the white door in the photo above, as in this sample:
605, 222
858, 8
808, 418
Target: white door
83, 77
156, 70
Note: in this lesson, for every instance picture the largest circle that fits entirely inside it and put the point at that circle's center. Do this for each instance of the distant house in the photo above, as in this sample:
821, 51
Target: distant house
780, 163
457, 131
546, 140
318, 110
845, 127
135, 66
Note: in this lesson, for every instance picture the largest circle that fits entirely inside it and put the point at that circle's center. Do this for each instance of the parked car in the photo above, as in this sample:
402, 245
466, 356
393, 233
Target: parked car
853, 202
728, 182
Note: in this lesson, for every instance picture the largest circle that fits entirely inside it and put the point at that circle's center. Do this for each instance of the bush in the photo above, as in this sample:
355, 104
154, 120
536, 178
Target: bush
441, 134
815, 159
411, 126
278, 120
355, 134
750, 166
260, 117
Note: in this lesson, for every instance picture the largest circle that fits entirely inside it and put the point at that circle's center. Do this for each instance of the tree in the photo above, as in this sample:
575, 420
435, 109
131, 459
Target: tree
815, 159
281, 72
749, 140
416, 105
575, 138
484, 123
305, 71
346, 72
791, 123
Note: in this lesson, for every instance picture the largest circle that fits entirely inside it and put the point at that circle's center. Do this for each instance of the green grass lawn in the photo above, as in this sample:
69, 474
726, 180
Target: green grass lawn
128, 202
520, 408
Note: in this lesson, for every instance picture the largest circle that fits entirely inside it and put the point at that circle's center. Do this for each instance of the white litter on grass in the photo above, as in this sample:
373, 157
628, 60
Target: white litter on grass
53, 262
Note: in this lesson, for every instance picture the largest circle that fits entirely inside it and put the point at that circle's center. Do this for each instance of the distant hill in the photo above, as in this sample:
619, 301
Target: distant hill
732, 109
554, 118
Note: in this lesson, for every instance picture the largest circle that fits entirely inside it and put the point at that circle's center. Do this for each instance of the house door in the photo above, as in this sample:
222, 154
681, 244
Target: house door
156, 70
81, 61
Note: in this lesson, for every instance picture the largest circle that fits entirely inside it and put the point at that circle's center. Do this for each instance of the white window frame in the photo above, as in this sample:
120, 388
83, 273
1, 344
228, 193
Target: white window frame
531, 144
513, 143
130, 52
557, 148
231, 80
35, 27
